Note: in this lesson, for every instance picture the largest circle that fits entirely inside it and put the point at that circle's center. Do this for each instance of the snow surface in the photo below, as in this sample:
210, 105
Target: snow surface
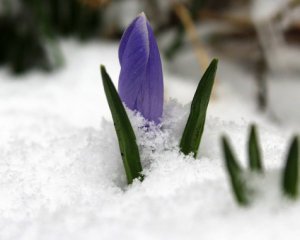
61, 175
264, 10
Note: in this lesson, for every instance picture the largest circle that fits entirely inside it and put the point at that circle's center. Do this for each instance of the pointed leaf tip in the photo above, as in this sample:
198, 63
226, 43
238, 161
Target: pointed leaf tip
102, 69
290, 181
191, 137
254, 151
235, 174
126, 137
142, 14
215, 62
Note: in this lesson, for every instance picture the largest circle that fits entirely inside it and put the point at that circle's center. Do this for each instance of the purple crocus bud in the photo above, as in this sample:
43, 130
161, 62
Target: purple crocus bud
141, 79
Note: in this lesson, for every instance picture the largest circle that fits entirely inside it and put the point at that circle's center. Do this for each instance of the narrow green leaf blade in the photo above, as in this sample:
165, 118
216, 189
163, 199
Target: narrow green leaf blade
235, 174
126, 137
290, 181
254, 151
193, 131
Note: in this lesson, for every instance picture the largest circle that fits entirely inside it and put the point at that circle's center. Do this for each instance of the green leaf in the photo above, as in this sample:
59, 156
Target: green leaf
193, 131
235, 174
290, 183
126, 137
254, 151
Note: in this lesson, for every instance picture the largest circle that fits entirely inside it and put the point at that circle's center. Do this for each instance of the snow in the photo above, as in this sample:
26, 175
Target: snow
284, 96
62, 175
279, 55
263, 10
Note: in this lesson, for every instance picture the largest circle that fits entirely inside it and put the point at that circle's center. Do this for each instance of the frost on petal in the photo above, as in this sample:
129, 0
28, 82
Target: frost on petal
133, 54
150, 98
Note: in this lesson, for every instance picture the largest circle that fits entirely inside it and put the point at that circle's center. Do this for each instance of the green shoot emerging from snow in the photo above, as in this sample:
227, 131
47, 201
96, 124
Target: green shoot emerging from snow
127, 141
254, 154
290, 179
193, 131
235, 174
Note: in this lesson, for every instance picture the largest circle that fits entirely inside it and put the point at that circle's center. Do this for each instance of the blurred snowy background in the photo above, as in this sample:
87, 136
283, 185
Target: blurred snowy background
258, 38
61, 175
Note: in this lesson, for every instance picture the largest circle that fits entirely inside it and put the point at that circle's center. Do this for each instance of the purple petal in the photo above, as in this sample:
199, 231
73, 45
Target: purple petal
151, 95
141, 79
133, 54
125, 38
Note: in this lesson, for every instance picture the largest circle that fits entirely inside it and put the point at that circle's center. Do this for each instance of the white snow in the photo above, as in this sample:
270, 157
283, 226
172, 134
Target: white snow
279, 55
61, 175
263, 10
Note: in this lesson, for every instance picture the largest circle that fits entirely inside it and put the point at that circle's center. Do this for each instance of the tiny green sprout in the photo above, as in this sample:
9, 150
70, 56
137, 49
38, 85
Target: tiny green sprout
290, 178
235, 174
290, 181
254, 151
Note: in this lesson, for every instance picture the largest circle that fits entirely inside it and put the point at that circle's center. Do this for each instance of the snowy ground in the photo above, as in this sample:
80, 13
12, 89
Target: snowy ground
61, 176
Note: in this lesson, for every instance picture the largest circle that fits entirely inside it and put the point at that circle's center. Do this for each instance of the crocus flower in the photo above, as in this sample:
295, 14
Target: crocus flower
141, 78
